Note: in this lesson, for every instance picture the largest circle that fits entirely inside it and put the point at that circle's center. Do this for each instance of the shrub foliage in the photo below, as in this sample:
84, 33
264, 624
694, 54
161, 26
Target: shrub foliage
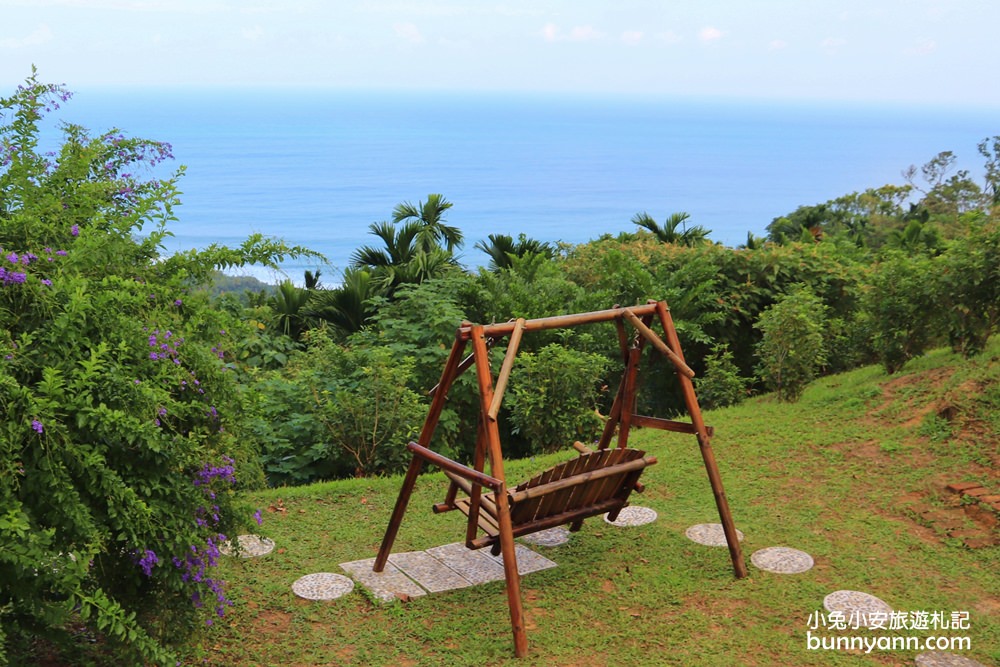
118, 445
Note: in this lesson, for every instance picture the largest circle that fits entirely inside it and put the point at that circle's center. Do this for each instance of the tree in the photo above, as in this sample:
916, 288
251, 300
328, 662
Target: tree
288, 305
791, 349
900, 305
669, 232
502, 249
429, 216
403, 259
348, 307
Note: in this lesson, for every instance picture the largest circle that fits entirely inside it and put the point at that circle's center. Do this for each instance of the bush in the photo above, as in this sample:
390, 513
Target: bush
901, 308
967, 287
338, 411
119, 449
721, 384
553, 396
791, 348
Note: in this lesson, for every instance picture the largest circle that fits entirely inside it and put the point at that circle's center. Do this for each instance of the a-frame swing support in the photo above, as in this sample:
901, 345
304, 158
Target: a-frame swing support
490, 501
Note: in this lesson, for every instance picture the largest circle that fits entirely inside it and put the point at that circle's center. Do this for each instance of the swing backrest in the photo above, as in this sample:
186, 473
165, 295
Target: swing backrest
591, 484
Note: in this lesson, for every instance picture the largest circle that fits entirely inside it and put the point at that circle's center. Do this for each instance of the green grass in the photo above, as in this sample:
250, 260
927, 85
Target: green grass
830, 475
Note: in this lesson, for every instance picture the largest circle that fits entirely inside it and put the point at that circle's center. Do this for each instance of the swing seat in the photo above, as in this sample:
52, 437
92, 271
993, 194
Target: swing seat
596, 482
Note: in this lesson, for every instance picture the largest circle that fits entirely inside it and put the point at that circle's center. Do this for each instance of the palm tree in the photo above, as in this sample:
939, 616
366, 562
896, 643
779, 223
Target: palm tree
402, 260
430, 216
753, 242
502, 249
288, 304
669, 232
348, 307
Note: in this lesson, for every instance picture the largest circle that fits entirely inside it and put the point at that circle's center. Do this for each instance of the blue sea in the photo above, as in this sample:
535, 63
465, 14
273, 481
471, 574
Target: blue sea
316, 167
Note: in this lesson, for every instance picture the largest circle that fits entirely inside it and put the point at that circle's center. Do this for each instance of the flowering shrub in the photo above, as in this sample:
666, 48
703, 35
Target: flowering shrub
118, 448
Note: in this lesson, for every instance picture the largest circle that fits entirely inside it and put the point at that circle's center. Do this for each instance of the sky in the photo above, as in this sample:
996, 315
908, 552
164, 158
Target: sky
927, 52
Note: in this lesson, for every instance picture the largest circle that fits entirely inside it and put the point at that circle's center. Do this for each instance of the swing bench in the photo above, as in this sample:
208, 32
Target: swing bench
598, 481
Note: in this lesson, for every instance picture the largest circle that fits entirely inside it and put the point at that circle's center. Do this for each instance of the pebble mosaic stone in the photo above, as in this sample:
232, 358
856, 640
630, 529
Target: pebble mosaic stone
710, 534
856, 606
782, 560
250, 546
633, 516
552, 537
942, 659
322, 586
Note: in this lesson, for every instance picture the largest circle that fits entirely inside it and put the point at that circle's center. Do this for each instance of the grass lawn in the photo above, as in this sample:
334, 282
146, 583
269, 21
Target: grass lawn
854, 474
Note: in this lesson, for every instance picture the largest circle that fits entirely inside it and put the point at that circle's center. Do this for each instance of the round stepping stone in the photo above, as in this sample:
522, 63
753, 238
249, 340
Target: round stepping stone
552, 537
710, 534
322, 586
633, 516
783, 560
250, 546
942, 659
855, 605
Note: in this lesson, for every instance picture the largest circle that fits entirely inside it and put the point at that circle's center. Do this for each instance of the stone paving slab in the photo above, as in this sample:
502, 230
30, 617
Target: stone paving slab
431, 573
527, 560
551, 537
438, 569
386, 585
477, 567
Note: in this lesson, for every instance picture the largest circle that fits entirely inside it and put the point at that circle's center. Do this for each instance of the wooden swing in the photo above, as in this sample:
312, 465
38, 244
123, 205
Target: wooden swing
596, 482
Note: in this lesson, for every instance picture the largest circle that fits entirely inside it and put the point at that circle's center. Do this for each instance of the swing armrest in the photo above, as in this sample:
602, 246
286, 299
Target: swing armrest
456, 468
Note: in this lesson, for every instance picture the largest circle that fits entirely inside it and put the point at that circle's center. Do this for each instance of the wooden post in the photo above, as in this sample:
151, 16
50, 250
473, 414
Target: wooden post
508, 364
475, 494
433, 415
627, 404
506, 536
658, 343
402, 500
704, 442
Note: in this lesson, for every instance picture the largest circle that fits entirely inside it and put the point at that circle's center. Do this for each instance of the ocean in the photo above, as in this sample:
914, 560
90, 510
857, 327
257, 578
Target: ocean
317, 167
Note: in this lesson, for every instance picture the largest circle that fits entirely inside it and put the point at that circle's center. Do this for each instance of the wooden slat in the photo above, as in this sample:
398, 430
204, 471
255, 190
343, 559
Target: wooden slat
601, 489
553, 521
486, 522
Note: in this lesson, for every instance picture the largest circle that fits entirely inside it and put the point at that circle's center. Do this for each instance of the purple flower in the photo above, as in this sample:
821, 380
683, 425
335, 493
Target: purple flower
46, 282
178, 302
61, 253
147, 561
75, 230
258, 518
37, 426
